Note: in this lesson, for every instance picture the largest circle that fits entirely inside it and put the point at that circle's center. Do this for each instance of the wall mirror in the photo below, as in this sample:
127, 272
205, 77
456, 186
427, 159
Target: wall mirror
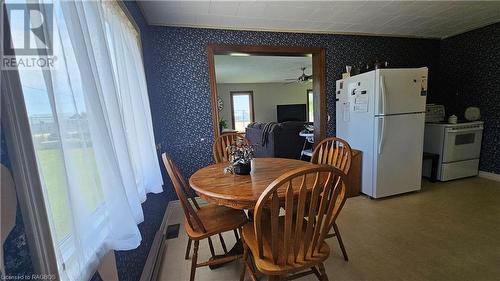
265, 84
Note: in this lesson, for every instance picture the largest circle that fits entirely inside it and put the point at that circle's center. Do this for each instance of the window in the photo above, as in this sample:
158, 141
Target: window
90, 123
60, 132
242, 109
310, 105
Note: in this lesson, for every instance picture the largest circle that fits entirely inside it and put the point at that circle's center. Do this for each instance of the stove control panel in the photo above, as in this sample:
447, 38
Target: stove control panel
434, 113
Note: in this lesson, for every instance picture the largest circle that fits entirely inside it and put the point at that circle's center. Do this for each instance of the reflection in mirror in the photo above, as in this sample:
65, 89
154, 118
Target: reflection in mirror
251, 88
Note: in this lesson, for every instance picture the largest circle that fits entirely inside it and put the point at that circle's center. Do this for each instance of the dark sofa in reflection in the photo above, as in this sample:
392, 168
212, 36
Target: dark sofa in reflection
280, 139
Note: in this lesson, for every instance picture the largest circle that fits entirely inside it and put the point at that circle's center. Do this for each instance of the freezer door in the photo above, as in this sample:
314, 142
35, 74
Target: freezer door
355, 121
398, 153
400, 90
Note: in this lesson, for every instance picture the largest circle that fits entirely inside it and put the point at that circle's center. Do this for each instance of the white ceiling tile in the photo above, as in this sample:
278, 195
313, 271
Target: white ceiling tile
251, 9
373, 18
322, 13
340, 16
264, 10
303, 4
396, 7
223, 8
409, 18
288, 13
339, 27
319, 26
348, 6
361, 28
187, 7
397, 21
180, 19
207, 20
374, 6
272, 24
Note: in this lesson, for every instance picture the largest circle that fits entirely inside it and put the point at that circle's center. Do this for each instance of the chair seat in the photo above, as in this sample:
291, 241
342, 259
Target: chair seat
266, 264
216, 219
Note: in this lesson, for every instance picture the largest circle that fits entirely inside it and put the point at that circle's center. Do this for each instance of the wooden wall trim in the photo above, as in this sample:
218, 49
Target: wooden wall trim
107, 269
264, 50
319, 95
213, 90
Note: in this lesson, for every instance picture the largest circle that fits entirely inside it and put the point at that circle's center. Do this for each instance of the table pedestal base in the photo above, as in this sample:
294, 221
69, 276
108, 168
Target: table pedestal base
237, 250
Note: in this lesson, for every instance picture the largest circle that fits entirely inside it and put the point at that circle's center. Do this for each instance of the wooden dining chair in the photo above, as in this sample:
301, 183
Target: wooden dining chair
291, 246
203, 221
333, 151
220, 145
336, 152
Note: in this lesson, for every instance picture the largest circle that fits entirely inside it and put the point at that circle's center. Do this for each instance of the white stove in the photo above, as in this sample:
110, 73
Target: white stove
458, 146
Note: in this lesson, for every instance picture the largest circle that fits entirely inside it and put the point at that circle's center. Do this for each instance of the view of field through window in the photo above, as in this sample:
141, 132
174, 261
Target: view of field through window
51, 160
70, 130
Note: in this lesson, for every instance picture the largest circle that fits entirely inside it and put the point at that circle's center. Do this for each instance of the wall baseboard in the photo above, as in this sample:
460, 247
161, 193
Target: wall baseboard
488, 175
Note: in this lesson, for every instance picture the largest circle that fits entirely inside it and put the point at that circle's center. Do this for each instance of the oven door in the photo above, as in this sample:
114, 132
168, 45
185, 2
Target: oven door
462, 143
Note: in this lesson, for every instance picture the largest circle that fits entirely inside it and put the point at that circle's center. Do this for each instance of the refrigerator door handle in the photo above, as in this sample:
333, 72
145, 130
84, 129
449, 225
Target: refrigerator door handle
382, 137
383, 94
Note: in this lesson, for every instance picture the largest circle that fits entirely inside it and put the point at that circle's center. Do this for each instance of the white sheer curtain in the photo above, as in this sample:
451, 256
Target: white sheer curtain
134, 101
93, 136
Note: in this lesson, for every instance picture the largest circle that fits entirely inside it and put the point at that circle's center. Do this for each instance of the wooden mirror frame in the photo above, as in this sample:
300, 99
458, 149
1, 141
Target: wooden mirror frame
318, 73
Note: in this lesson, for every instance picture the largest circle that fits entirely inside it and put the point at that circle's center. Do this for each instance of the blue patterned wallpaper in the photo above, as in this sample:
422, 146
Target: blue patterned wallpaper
176, 71
177, 75
179, 84
470, 76
16, 252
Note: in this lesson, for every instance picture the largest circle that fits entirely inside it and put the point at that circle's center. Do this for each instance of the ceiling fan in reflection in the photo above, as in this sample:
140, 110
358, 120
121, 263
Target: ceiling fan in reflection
304, 78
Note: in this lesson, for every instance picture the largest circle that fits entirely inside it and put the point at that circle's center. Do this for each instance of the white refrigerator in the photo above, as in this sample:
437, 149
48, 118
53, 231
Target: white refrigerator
382, 113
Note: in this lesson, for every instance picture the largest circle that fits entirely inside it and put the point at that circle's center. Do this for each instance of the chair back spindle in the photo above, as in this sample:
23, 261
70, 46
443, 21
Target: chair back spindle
333, 151
221, 144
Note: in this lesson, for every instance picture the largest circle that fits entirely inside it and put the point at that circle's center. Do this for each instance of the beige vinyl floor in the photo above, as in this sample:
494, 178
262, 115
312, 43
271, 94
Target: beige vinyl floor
447, 231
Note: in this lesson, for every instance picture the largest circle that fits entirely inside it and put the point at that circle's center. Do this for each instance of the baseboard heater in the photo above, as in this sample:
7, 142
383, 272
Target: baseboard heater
154, 259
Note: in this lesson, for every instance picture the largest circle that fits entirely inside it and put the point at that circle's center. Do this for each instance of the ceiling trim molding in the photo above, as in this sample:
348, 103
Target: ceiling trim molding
258, 29
470, 29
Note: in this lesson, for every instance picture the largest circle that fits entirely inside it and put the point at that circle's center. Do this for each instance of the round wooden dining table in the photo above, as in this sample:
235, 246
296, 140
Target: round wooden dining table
240, 191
